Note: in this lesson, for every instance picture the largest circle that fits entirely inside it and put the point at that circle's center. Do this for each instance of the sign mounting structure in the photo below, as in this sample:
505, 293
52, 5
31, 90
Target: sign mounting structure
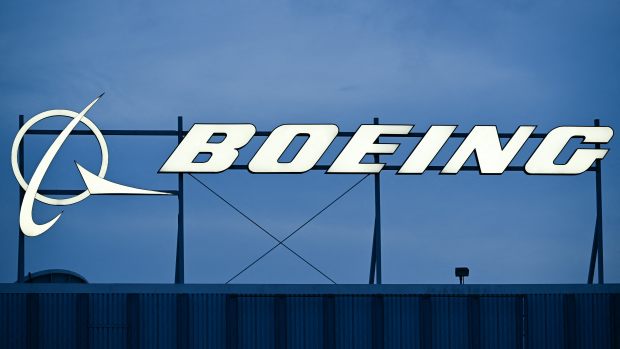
483, 142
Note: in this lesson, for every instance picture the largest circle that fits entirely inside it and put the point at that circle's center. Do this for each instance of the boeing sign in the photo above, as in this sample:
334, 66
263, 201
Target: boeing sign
482, 141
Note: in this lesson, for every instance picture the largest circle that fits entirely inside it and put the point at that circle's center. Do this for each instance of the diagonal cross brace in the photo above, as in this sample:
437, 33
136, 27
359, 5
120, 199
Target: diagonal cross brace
279, 242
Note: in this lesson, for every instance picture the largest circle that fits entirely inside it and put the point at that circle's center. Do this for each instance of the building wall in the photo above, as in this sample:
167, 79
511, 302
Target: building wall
362, 316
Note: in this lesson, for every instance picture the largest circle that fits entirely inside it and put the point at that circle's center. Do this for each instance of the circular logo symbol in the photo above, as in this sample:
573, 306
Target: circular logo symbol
48, 114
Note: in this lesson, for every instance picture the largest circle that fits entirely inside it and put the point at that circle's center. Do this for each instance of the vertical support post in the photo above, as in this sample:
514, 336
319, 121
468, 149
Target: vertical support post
371, 278
20, 247
599, 214
593, 254
375, 258
597, 243
179, 273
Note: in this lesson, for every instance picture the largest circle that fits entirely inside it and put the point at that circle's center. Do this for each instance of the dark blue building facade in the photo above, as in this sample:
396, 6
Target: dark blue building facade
309, 316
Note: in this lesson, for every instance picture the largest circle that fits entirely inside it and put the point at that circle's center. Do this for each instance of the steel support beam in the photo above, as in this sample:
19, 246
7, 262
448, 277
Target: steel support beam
345, 134
465, 168
179, 273
599, 215
593, 254
375, 258
20, 248
596, 257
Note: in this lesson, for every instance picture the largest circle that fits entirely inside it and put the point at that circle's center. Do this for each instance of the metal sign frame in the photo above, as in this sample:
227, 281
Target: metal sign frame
596, 257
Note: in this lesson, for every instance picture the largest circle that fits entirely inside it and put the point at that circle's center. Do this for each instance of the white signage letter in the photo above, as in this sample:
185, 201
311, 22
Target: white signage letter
484, 142
427, 149
319, 139
543, 159
364, 142
196, 142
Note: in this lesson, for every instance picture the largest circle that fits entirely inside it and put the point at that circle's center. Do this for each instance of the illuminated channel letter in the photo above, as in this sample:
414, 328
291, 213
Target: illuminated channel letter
363, 143
484, 142
319, 139
196, 142
427, 149
543, 159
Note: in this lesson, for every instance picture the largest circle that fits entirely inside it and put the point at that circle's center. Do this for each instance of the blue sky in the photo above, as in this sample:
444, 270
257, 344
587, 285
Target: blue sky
508, 63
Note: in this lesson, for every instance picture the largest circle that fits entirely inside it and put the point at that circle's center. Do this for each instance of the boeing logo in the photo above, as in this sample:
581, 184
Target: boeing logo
95, 184
483, 142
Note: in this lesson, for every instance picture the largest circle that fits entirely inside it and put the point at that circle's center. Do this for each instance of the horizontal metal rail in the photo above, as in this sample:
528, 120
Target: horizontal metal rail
267, 133
346, 134
108, 132
397, 167
79, 191
314, 168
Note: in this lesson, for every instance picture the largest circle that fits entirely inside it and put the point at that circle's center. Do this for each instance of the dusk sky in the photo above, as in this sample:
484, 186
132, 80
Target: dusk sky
466, 63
